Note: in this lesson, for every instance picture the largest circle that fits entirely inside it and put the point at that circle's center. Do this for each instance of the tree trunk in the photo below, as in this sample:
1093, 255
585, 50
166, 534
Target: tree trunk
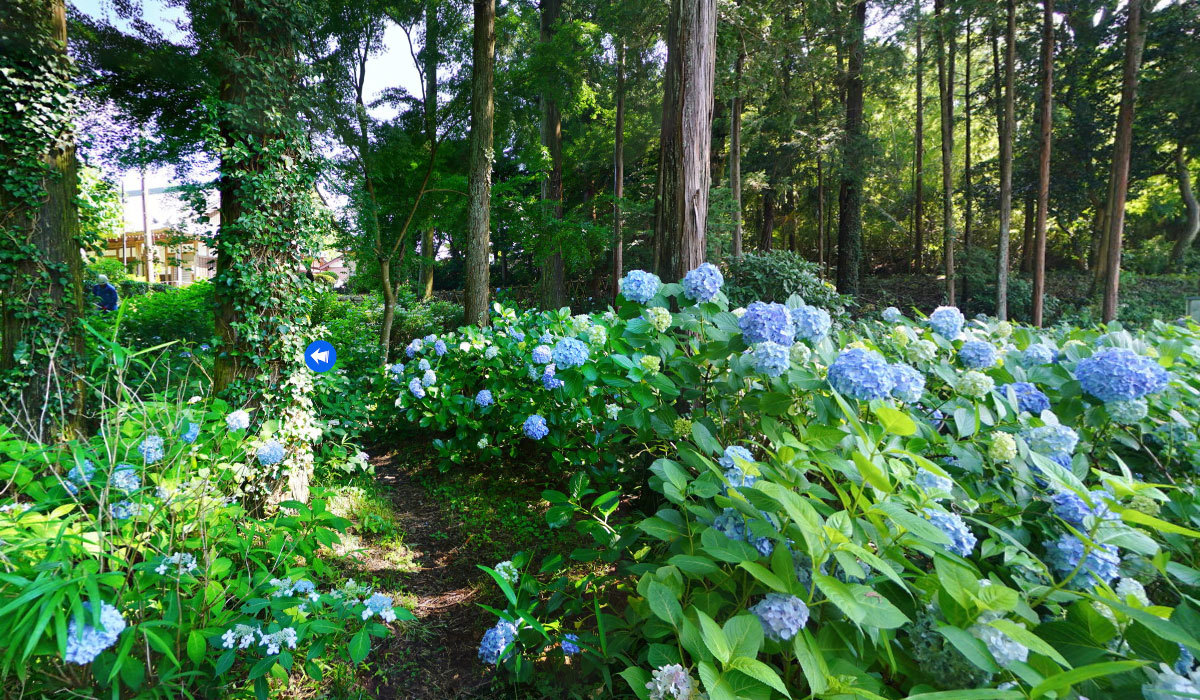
1135, 41
147, 234
430, 55
820, 216
735, 153
1007, 126
919, 158
1027, 233
849, 260
619, 174
428, 256
686, 136
1187, 236
479, 188
552, 277
766, 229
945, 61
1043, 189
41, 348
967, 213
389, 308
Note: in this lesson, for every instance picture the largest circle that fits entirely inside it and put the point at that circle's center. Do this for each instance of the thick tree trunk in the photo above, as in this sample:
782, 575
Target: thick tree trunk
479, 188
1187, 237
1027, 233
735, 153
766, 229
820, 216
553, 284
686, 136
1135, 41
919, 157
428, 256
1007, 127
618, 244
389, 307
849, 260
945, 62
1043, 187
967, 212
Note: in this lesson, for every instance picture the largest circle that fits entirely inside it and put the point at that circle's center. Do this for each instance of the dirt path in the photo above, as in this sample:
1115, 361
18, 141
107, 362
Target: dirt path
428, 571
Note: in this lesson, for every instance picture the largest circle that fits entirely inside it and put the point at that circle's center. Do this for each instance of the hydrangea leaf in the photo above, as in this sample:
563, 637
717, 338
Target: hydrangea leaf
745, 635
760, 672
1062, 681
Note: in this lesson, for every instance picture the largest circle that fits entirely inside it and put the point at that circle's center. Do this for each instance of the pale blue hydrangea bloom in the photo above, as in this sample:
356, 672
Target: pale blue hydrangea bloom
546, 338
508, 571
79, 475
423, 365
782, 616
484, 398
275, 641
415, 346
1100, 565
811, 323
125, 478
542, 354
270, 453
772, 359
908, 383
532, 371
549, 381
671, 682
151, 449
1171, 684
612, 410
732, 524
430, 338
1127, 412
85, 642
1005, 650
703, 283
518, 336
962, 542
240, 634
891, 314
396, 370
306, 588
381, 605
733, 453
182, 562
570, 645
415, 388
640, 286
193, 431
238, 420
570, 352
440, 347
429, 378
977, 354
496, 640
124, 510
767, 322
931, 482
1029, 397
1075, 510
535, 427
1038, 354
491, 352
1052, 439
861, 374
947, 321
1118, 374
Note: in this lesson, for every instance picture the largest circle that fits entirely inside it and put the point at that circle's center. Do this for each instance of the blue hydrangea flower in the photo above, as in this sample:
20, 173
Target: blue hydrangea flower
496, 640
1118, 374
891, 314
238, 420
1038, 354
767, 322
125, 478
782, 616
415, 388
430, 338
124, 510
640, 286
270, 453
947, 321
1100, 565
549, 381
542, 354
491, 352
977, 354
484, 398
79, 475
1127, 412
518, 336
569, 643
731, 524
811, 323
440, 347
732, 453
908, 383
379, 604
1003, 648
570, 352
1074, 509
151, 449
1052, 439
546, 338
703, 283
429, 378
931, 482
414, 346
962, 542
772, 359
193, 431
85, 642
861, 374
1029, 397
423, 365
396, 370
535, 427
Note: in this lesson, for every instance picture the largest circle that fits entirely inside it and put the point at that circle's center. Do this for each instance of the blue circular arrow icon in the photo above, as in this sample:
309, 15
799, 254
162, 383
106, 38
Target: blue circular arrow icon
320, 356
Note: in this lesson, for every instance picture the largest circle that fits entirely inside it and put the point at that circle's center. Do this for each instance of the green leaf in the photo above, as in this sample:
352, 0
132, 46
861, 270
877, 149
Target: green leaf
970, 694
1066, 679
1139, 518
714, 637
721, 548
704, 439
774, 403
195, 646
760, 672
360, 646
716, 685
764, 575
663, 603
637, 678
972, 648
812, 662
871, 472
1028, 639
745, 634
659, 529
894, 421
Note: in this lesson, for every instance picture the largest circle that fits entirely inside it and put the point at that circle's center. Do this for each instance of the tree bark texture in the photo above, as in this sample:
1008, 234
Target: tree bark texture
1007, 127
945, 62
619, 174
967, 213
1043, 188
919, 158
1187, 237
479, 187
849, 255
735, 153
552, 273
766, 229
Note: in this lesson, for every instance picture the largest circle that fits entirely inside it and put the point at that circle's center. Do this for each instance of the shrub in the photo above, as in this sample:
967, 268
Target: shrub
171, 314
777, 275
111, 267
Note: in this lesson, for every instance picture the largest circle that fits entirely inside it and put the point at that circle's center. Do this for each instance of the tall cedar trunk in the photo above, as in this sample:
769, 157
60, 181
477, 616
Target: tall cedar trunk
1007, 126
147, 234
1188, 236
919, 158
686, 136
849, 256
767, 228
42, 297
1027, 233
619, 174
945, 62
967, 213
1043, 189
430, 56
428, 256
479, 188
789, 219
554, 293
820, 216
1135, 41
735, 153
